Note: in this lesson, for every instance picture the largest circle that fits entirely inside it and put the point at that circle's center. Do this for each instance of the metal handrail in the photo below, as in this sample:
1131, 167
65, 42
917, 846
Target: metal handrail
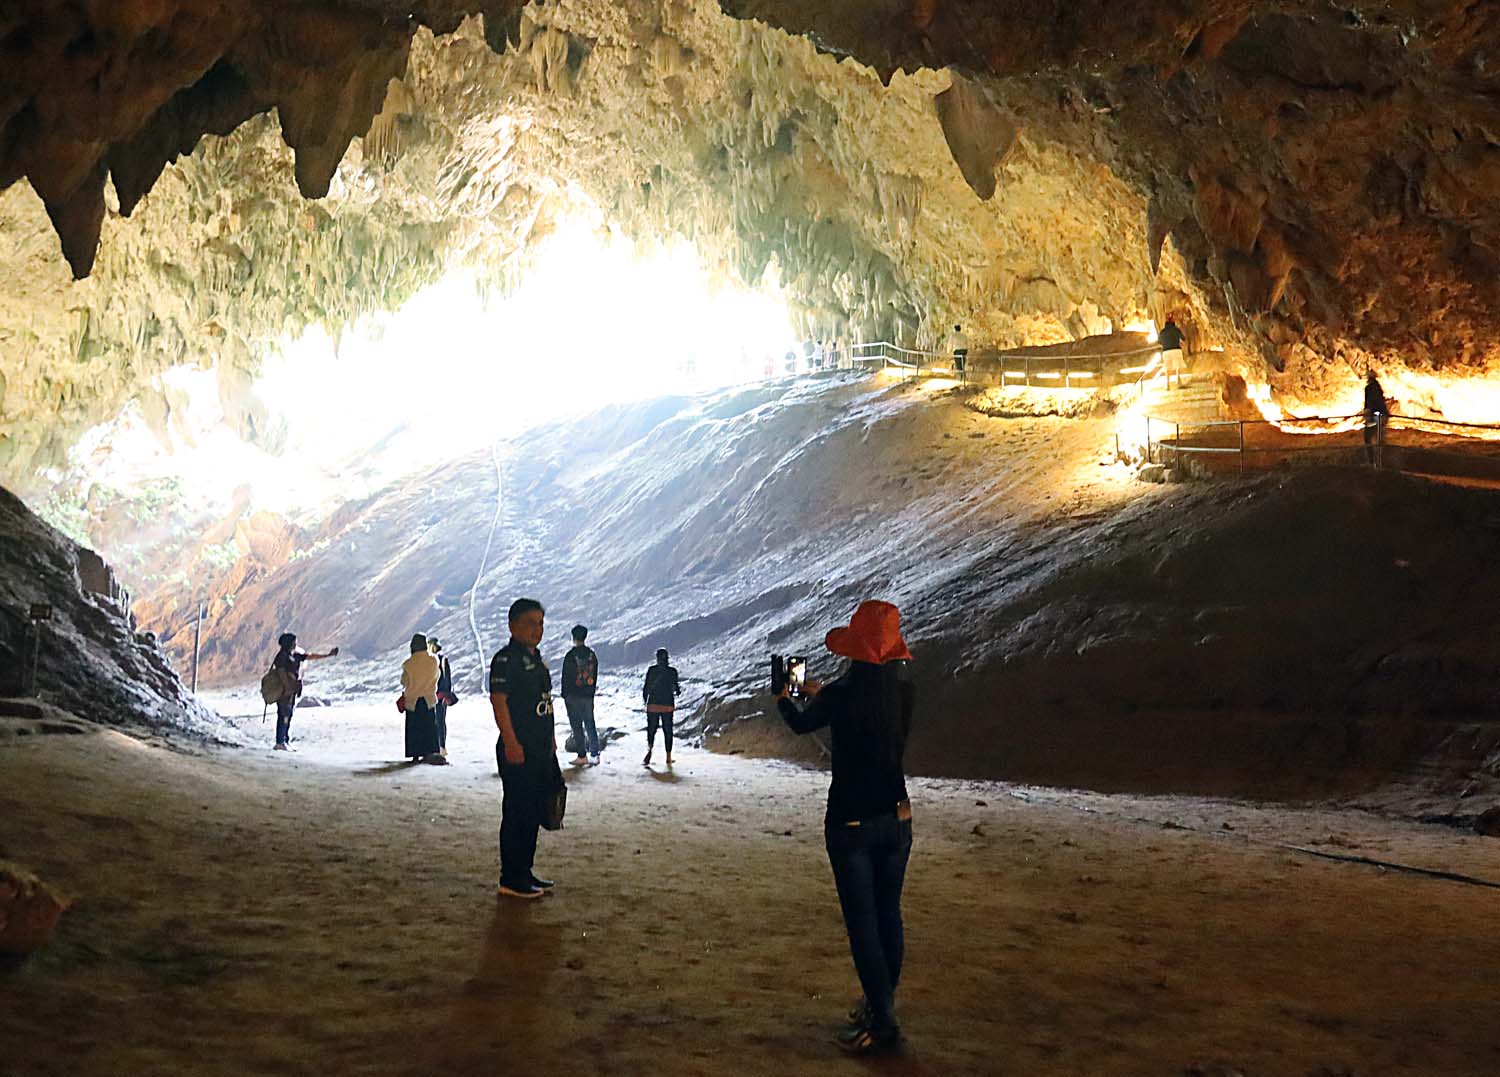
1175, 446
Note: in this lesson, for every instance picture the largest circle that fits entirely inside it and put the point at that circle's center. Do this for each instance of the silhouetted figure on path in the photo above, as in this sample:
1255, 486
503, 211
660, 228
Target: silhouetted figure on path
660, 693
521, 695
288, 662
1377, 411
580, 678
446, 697
867, 827
419, 681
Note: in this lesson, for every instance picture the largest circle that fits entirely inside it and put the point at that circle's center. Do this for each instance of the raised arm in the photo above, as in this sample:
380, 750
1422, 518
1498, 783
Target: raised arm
814, 716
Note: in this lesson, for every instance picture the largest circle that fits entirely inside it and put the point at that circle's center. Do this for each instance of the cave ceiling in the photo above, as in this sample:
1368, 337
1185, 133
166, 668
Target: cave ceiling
1314, 185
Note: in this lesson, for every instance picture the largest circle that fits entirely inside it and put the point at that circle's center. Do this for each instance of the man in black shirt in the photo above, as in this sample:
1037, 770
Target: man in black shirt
521, 695
1377, 411
288, 662
580, 677
1169, 340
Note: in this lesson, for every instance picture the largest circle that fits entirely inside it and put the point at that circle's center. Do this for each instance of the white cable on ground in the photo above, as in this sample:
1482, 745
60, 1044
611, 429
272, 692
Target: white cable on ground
484, 559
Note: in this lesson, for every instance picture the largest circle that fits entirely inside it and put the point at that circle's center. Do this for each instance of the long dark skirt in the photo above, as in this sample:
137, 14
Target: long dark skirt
421, 730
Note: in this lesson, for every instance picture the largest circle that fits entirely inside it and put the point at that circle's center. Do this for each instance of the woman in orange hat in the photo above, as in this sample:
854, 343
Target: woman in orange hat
868, 824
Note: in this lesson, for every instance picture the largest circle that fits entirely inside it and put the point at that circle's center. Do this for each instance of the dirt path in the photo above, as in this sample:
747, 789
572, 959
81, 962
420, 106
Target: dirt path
332, 912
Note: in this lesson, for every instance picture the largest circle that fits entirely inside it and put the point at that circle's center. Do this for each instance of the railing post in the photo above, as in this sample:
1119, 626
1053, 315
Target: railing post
197, 642
1148, 439
1176, 444
1242, 446
1067, 373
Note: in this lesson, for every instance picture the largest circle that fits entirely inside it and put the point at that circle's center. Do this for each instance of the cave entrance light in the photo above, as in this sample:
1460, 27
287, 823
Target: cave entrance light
595, 321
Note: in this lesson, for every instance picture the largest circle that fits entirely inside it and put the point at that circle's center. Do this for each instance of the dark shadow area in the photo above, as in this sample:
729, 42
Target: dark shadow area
394, 767
502, 1019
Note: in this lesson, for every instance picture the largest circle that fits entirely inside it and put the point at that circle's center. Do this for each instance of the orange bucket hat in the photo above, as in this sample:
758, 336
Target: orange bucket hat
873, 635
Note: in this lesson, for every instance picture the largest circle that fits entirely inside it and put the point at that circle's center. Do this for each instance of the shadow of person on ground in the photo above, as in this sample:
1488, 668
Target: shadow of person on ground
395, 767
670, 777
502, 1019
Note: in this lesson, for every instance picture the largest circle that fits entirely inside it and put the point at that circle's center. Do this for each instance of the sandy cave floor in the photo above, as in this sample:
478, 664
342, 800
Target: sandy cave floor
332, 911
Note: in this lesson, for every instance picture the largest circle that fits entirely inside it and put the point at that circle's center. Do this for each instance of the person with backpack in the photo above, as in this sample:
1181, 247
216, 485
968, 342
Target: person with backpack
446, 697
867, 826
282, 684
419, 681
580, 678
660, 693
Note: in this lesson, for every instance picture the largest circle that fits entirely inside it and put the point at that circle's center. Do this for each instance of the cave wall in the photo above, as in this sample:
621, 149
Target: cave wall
1328, 170
888, 209
1313, 185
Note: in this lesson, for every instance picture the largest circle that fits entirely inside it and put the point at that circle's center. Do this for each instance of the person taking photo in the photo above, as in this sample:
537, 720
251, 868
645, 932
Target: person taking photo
867, 828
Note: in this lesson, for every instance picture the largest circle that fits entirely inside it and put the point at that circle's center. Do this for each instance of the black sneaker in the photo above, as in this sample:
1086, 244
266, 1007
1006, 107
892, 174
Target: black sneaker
859, 1014
542, 884
529, 892
867, 1041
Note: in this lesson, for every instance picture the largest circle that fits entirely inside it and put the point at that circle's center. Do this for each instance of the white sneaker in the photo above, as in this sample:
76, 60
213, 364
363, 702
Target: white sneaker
594, 760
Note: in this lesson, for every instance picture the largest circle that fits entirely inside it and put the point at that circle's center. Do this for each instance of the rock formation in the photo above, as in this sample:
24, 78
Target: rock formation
29, 911
1313, 185
666, 117
90, 661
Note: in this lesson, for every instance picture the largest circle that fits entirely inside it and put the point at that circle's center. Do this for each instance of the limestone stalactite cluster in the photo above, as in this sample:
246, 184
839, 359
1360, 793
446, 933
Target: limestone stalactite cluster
1328, 169
665, 115
1314, 184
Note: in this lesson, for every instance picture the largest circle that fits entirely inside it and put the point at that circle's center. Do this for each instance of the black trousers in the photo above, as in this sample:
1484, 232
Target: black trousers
665, 721
284, 720
869, 869
521, 813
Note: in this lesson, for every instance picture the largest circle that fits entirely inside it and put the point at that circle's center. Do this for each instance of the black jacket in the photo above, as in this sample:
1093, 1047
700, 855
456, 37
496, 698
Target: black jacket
1375, 399
869, 713
580, 672
661, 686
1170, 337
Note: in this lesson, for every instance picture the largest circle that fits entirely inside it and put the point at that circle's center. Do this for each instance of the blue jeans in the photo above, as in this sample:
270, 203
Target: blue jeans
581, 718
284, 720
869, 868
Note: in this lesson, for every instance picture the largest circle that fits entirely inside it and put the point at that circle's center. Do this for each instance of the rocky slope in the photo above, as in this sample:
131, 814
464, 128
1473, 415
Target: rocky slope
91, 661
1070, 624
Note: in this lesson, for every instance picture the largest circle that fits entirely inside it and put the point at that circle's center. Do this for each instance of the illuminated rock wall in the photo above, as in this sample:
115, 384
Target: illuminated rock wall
1312, 187
668, 117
